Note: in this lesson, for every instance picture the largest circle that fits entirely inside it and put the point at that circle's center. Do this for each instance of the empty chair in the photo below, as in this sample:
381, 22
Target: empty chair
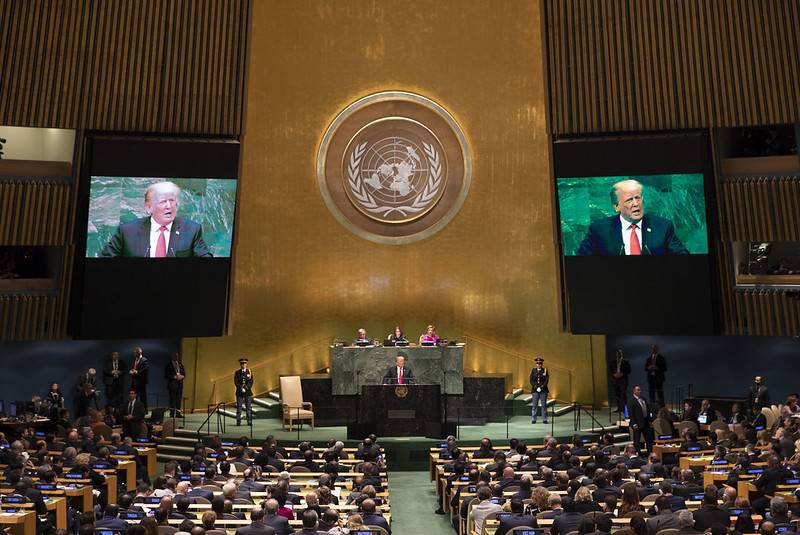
294, 408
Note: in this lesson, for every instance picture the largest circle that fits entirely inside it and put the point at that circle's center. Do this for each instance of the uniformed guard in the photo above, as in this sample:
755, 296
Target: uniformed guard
539, 379
243, 379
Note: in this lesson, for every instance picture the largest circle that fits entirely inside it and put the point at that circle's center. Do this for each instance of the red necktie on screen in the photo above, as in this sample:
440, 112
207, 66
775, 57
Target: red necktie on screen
636, 247
399, 375
161, 244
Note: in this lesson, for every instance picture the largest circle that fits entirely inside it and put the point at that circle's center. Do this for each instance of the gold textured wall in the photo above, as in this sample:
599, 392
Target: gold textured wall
490, 276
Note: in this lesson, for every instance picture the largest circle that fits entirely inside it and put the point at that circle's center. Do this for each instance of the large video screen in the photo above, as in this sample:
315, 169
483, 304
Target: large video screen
155, 236
634, 232
666, 213
126, 216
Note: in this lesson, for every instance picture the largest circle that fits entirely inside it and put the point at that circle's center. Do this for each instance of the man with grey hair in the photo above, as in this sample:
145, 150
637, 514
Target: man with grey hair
686, 523
553, 506
629, 231
779, 510
161, 233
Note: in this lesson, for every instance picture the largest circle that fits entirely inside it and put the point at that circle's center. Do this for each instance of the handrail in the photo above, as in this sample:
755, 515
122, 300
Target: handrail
577, 408
221, 406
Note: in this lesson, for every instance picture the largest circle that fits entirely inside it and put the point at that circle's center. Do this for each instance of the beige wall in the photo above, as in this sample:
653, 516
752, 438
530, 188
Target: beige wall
301, 279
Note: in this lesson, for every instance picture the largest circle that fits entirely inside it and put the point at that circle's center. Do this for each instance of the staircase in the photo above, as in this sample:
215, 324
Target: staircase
181, 446
520, 404
264, 407
178, 447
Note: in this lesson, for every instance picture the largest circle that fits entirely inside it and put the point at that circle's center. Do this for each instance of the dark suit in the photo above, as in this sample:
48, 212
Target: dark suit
640, 421
202, 493
141, 378
112, 522
620, 384
771, 478
655, 377
708, 515
758, 397
376, 519
663, 520
566, 523
85, 394
391, 376
132, 427
279, 523
256, 528
514, 520
243, 380
133, 239
604, 237
174, 386
114, 385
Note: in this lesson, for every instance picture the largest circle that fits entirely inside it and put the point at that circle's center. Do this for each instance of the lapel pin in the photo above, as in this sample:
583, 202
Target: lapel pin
649, 230
178, 232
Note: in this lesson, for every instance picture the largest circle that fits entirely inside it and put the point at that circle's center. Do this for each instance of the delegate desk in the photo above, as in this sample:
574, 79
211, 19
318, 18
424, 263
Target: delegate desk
354, 367
22, 522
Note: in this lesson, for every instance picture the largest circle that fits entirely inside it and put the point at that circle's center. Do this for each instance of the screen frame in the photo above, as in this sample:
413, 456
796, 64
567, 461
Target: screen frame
166, 168
638, 162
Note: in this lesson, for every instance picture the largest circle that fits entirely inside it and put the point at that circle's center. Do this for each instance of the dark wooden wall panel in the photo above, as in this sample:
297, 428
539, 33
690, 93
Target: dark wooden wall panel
34, 212
159, 66
136, 65
629, 65
760, 208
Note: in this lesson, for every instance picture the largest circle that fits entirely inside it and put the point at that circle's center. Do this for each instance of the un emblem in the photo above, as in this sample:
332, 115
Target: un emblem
394, 167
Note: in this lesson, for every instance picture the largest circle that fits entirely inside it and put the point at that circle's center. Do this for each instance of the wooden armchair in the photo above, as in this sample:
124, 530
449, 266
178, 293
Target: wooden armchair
294, 408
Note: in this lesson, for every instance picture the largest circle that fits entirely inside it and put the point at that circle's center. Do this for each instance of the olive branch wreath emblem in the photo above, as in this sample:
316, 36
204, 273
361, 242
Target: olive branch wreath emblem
367, 200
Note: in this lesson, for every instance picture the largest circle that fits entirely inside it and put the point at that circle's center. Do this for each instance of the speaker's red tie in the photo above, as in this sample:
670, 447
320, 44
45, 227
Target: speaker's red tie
636, 247
161, 244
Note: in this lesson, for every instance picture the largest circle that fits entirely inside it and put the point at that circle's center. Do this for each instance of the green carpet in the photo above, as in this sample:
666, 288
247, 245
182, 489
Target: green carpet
409, 453
516, 426
413, 504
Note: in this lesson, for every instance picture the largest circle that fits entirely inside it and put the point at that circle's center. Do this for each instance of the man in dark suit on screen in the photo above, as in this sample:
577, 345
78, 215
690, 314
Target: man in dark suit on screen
399, 374
162, 233
640, 419
630, 231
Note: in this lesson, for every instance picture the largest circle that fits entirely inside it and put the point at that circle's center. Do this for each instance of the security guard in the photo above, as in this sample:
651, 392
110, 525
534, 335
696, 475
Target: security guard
243, 379
539, 379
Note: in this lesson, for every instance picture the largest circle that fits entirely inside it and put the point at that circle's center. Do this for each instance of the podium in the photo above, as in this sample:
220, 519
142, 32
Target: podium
401, 410
355, 367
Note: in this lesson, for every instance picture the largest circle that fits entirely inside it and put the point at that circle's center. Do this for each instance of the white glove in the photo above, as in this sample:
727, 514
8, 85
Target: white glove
539, 389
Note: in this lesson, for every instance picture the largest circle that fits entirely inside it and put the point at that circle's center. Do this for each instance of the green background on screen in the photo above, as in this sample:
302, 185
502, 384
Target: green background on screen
208, 201
679, 198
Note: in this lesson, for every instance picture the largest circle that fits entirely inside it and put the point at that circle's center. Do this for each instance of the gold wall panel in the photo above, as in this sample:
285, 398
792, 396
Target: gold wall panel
301, 279
625, 65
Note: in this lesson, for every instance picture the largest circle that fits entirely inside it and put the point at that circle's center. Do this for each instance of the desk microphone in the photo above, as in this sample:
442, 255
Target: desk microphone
622, 250
646, 248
